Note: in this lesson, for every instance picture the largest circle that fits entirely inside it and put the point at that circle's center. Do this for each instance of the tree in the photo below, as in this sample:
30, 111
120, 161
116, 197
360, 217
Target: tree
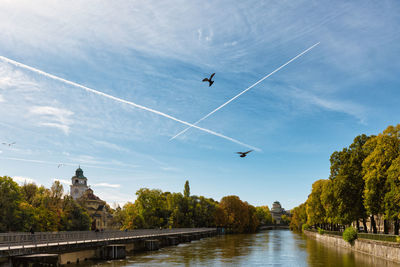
186, 192
348, 182
151, 206
56, 193
175, 205
264, 215
314, 208
253, 222
74, 217
392, 197
384, 149
285, 219
329, 202
299, 217
236, 214
29, 192
10, 198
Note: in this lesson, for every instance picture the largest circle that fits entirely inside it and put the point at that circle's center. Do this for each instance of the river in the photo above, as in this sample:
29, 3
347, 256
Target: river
267, 248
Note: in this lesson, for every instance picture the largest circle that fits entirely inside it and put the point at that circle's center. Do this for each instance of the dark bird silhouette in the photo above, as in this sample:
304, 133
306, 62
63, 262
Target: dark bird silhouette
243, 154
60, 165
8, 144
209, 80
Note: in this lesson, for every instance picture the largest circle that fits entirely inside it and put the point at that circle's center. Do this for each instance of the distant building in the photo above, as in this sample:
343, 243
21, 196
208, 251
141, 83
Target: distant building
277, 211
79, 184
97, 209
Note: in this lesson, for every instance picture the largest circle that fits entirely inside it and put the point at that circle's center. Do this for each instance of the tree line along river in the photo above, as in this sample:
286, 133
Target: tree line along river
266, 248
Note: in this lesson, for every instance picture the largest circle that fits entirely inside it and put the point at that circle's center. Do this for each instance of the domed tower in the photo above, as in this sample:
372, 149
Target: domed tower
277, 211
79, 184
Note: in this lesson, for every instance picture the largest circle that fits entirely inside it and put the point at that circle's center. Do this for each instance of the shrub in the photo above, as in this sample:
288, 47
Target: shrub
321, 231
350, 234
305, 227
398, 239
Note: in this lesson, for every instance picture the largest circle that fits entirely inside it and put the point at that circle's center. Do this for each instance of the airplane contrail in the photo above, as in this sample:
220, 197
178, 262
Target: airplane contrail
21, 65
244, 91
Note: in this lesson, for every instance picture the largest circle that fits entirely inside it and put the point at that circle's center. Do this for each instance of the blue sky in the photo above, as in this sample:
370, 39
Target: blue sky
155, 54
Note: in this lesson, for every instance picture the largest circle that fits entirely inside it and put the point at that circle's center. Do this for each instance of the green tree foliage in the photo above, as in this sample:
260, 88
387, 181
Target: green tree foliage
205, 209
314, 208
176, 204
285, 219
74, 217
392, 197
238, 216
264, 215
29, 206
364, 181
384, 149
329, 202
186, 192
29, 192
151, 208
299, 217
10, 199
350, 234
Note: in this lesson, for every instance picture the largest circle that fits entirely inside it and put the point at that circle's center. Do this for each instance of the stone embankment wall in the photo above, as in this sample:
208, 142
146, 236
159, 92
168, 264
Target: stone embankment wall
385, 250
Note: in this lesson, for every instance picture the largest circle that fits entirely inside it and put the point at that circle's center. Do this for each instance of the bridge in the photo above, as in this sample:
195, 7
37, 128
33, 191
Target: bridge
71, 247
273, 227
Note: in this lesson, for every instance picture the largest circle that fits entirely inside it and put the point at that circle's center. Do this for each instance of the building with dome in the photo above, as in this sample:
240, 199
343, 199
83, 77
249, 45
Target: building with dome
277, 211
79, 184
98, 210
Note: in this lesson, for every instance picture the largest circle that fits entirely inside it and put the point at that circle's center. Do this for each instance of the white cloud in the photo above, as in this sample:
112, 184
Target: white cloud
22, 180
14, 79
344, 106
111, 196
53, 117
205, 37
107, 185
1, 98
110, 145
167, 168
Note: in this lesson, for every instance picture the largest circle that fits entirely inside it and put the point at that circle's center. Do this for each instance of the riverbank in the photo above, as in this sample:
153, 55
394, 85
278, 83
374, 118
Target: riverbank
386, 250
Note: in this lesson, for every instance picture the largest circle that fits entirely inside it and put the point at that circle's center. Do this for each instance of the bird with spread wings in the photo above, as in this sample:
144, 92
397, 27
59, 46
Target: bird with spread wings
209, 80
244, 154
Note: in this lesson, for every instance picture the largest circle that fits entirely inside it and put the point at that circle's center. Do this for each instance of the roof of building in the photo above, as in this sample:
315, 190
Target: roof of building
79, 174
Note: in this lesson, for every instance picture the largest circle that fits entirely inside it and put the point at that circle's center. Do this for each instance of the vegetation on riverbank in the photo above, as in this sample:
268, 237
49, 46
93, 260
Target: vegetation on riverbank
154, 208
364, 180
31, 207
35, 207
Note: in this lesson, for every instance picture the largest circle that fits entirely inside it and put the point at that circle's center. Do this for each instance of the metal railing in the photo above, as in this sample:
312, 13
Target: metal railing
23, 240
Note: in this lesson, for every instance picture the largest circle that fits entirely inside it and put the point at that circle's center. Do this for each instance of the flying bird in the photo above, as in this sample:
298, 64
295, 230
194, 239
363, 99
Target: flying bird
60, 165
209, 79
243, 154
8, 144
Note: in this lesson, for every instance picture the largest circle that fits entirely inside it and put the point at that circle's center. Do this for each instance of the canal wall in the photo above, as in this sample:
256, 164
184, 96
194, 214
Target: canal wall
386, 250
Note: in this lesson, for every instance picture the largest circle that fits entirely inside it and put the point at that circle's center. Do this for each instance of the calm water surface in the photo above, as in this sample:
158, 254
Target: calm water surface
268, 248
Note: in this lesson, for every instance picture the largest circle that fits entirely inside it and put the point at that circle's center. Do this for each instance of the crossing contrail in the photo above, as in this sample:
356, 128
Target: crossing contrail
18, 64
244, 91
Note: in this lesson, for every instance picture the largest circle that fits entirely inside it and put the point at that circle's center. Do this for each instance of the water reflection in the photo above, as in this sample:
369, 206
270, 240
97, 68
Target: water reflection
269, 248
